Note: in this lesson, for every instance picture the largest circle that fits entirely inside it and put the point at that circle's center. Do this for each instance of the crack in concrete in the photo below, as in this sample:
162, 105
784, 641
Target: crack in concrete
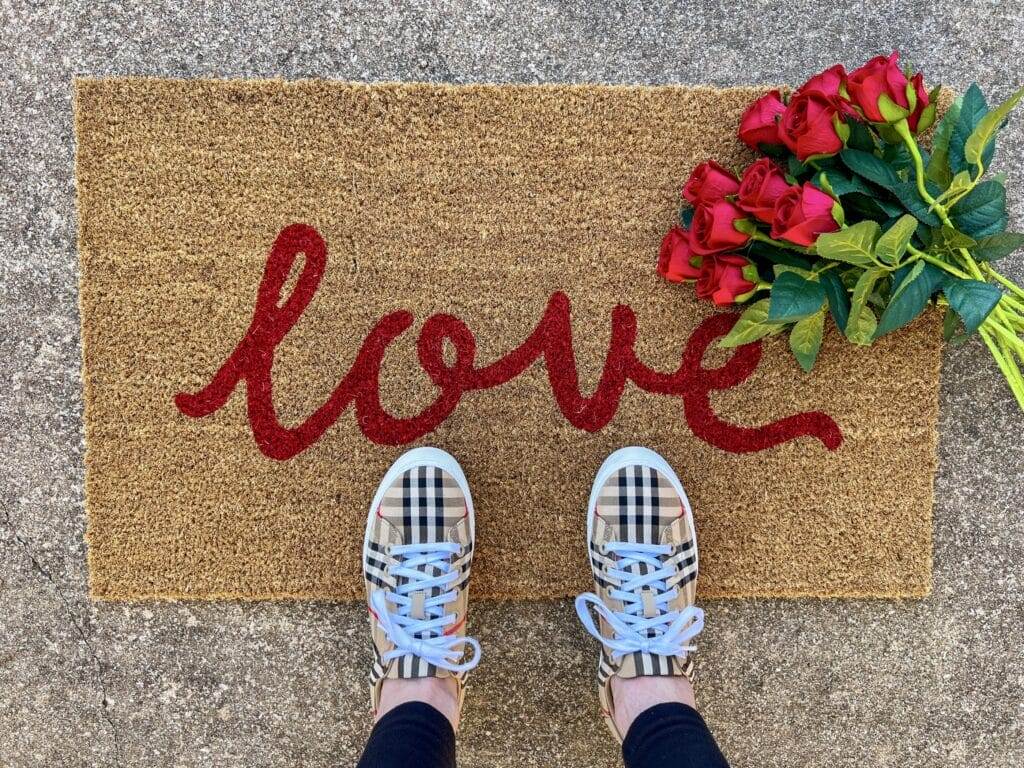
36, 565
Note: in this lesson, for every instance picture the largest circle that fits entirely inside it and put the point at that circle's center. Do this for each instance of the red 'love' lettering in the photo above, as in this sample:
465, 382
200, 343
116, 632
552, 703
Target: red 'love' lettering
253, 359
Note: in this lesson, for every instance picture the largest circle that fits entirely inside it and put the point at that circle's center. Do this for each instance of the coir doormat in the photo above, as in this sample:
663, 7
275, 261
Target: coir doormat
287, 284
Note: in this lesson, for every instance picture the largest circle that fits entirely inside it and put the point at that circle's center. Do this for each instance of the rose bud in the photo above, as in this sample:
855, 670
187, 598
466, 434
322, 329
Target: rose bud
760, 122
713, 228
762, 184
726, 278
811, 126
708, 182
675, 262
923, 116
825, 83
881, 90
803, 213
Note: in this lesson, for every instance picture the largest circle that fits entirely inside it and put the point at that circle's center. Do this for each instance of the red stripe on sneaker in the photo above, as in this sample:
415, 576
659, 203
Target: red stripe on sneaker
456, 627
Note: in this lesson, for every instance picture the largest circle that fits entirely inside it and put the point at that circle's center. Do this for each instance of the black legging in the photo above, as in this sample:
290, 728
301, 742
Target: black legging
415, 735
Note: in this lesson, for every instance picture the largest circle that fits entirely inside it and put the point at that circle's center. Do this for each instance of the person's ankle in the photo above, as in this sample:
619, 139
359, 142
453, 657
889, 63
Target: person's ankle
442, 693
634, 695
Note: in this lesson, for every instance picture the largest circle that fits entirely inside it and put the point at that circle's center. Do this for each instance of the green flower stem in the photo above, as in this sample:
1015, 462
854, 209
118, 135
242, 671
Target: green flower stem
1000, 311
1005, 366
1012, 307
1013, 310
762, 237
1012, 348
903, 129
1008, 337
944, 265
1017, 322
1014, 288
1013, 304
1006, 347
1012, 356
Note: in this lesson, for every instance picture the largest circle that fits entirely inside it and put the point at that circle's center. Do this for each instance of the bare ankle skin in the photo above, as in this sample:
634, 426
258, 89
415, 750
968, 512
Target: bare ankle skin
632, 696
442, 693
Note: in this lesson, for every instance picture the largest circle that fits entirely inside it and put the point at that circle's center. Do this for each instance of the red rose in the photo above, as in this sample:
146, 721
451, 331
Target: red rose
760, 122
825, 83
675, 260
924, 113
811, 125
710, 181
880, 89
763, 183
713, 228
803, 213
726, 278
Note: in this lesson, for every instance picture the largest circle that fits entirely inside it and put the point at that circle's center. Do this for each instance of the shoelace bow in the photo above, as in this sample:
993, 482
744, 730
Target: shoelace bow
668, 633
424, 637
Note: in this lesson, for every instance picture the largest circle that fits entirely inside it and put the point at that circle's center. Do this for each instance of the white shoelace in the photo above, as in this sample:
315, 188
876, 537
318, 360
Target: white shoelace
424, 637
668, 633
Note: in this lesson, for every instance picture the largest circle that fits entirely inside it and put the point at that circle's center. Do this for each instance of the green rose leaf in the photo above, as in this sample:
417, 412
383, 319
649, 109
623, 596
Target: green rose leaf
838, 300
976, 148
686, 216
805, 339
906, 275
972, 109
982, 212
973, 300
776, 255
752, 325
997, 246
871, 206
795, 167
872, 168
857, 321
837, 183
899, 157
860, 137
894, 241
891, 209
938, 169
910, 197
793, 297
949, 323
949, 240
779, 268
911, 294
959, 185
861, 327
853, 245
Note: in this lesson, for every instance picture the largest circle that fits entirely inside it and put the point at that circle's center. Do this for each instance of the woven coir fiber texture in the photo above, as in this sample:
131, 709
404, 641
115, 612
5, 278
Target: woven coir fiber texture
286, 285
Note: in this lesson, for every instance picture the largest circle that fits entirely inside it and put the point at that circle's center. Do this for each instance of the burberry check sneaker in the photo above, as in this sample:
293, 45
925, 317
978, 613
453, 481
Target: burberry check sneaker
643, 552
416, 560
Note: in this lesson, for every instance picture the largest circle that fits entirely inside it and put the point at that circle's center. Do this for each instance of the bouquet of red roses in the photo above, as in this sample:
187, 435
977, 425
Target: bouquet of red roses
847, 214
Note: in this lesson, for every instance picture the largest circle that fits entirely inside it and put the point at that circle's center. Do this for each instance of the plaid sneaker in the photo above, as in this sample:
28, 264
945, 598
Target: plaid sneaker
416, 559
643, 552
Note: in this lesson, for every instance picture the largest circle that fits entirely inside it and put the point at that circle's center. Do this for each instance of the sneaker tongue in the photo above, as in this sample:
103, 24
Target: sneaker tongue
417, 610
647, 597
